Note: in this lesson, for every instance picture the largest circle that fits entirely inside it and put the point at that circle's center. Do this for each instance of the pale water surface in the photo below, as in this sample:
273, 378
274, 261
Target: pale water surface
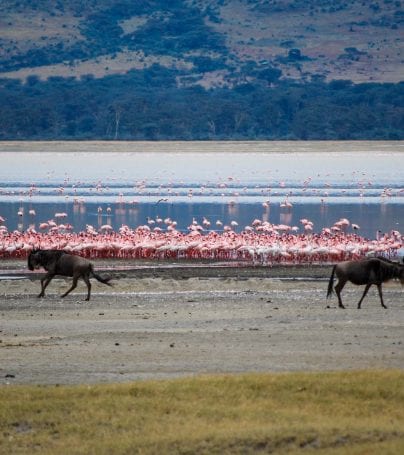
130, 182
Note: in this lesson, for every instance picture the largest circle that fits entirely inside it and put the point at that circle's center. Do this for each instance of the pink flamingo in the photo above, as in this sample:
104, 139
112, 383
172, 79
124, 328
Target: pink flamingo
261, 242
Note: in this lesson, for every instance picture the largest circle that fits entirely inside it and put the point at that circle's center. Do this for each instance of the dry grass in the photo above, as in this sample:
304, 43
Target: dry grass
344, 412
249, 34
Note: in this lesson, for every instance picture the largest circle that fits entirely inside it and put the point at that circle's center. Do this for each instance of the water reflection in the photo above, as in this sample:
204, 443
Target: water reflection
370, 217
280, 183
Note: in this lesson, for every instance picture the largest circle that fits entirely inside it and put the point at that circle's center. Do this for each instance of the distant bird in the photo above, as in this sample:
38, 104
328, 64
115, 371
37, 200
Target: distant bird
286, 204
106, 227
206, 222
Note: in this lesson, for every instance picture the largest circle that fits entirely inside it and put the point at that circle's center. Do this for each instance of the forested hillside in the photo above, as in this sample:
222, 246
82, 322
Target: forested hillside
201, 69
148, 104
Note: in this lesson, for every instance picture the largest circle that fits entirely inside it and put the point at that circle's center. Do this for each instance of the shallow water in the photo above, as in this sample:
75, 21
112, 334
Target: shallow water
129, 183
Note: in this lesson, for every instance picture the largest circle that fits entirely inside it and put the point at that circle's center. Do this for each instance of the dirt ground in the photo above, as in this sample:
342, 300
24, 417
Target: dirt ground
174, 320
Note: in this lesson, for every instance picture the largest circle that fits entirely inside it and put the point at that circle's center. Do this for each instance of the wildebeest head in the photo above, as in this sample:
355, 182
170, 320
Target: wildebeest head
401, 274
398, 272
34, 260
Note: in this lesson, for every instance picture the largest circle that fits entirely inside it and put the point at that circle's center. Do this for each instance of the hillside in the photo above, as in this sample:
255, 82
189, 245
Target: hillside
201, 69
216, 42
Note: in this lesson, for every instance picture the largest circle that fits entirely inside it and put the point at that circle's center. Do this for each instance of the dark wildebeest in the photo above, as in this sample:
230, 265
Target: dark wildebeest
370, 271
57, 262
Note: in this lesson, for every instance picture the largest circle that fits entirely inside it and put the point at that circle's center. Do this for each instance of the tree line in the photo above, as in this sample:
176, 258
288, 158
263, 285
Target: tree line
149, 105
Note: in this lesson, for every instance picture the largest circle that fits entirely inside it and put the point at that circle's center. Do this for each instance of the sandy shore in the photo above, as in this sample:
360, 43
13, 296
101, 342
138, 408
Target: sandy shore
167, 321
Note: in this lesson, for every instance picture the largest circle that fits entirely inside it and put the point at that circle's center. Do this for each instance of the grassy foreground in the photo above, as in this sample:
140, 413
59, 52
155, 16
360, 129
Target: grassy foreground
344, 412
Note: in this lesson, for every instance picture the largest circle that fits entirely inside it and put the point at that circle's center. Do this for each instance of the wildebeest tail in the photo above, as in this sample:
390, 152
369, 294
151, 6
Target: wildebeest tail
100, 278
331, 282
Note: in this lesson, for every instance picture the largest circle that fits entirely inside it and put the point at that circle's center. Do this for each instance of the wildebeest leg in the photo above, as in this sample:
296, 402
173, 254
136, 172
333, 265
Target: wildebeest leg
364, 293
44, 283
74, 285
338, 288
379, 288
87, 281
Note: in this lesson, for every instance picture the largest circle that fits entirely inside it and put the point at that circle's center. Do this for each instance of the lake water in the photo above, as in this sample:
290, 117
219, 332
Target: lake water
131, 183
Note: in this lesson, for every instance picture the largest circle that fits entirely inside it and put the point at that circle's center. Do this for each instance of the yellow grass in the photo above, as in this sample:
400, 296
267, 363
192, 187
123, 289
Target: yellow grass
345, 412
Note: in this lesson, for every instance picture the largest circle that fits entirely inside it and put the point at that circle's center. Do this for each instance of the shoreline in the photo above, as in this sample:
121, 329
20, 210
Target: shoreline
277, 146
186, 269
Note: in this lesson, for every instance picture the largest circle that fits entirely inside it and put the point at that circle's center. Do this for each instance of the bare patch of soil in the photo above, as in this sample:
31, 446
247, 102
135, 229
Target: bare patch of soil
161, 322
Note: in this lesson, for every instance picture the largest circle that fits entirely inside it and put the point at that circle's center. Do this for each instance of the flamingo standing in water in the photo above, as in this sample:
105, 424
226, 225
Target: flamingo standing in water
286, 204
264, 243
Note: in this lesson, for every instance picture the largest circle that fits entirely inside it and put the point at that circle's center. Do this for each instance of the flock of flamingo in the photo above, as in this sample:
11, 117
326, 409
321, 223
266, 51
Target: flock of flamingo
259, 243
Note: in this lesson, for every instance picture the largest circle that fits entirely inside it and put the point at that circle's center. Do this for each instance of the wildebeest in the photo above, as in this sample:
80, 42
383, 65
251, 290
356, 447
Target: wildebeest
58, 262
369, 271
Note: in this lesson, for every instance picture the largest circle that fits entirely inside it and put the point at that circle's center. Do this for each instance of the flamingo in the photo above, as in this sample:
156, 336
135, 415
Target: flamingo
286, 204
262, 241
206, 222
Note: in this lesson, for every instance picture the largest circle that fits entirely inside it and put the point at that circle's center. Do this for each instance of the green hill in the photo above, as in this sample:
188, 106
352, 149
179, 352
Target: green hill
250, 69
216, 41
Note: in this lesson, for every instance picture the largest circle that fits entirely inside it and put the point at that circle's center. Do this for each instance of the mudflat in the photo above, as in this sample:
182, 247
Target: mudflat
170, 320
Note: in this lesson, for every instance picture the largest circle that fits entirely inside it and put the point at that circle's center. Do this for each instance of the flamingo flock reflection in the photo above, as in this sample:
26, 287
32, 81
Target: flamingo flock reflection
259, 243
